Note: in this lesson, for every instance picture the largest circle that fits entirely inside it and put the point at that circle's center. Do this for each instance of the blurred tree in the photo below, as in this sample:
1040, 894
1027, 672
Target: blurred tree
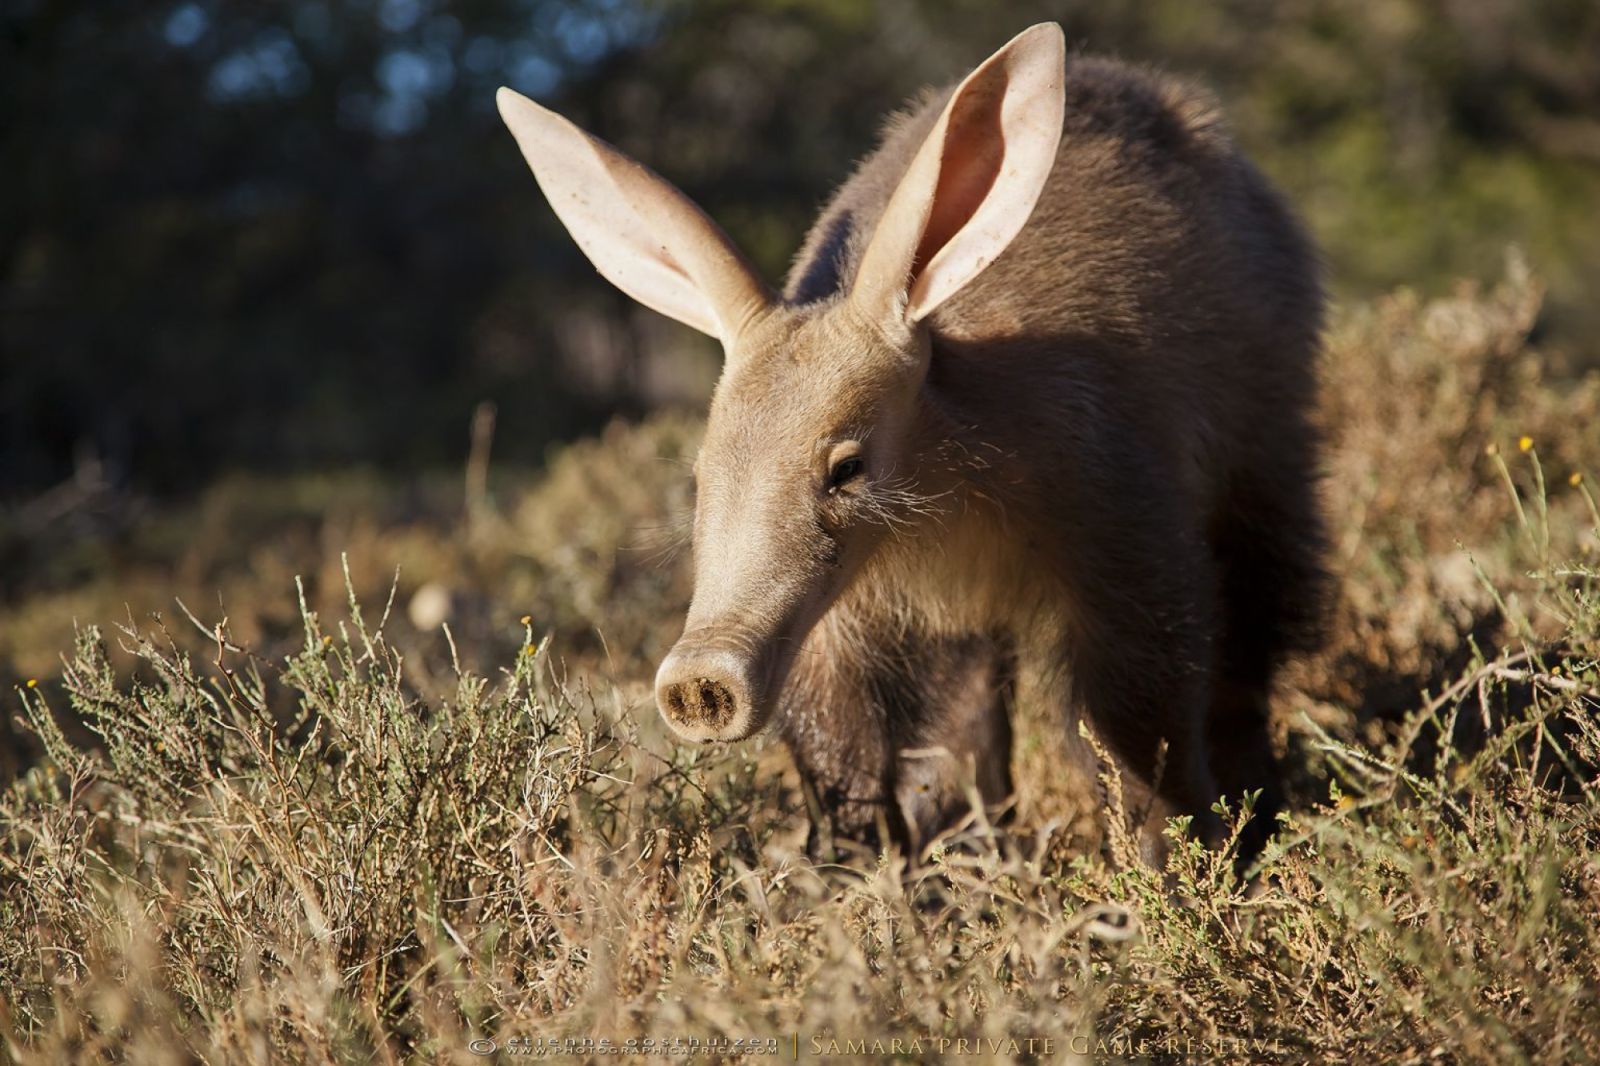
294, 234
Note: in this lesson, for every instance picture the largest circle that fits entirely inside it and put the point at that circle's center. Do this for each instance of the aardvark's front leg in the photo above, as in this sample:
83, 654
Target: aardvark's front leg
891, 735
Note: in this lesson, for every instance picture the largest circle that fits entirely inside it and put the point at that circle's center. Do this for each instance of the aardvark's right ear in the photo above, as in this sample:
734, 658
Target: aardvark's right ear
645, 236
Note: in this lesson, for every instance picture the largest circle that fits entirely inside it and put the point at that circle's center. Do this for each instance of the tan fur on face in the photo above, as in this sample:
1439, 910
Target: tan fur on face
1089, 468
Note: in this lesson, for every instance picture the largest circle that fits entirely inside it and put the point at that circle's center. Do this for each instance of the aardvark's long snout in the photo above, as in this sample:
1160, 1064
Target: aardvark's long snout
708, 689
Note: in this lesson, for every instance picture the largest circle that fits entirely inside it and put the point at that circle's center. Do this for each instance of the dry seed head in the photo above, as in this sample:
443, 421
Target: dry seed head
1491, 449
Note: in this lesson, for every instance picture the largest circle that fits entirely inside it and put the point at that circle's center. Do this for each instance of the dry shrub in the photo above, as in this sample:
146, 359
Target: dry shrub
349, 846
1426, 406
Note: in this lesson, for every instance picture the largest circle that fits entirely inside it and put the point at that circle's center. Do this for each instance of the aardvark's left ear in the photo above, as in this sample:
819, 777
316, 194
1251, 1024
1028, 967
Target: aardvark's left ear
973, 183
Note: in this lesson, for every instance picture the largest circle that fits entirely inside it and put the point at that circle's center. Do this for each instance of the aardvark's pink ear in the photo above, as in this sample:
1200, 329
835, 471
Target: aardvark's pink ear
972, 184
646, 237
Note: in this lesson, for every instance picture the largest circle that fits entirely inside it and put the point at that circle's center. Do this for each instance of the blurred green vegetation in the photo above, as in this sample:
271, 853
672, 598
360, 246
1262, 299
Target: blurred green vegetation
293, 235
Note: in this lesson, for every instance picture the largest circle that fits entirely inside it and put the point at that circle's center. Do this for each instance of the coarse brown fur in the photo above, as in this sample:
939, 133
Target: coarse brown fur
1121, 405
1031, 418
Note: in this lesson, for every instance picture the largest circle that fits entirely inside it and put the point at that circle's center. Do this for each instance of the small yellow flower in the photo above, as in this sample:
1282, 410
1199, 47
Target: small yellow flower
1346, 802
1491, 449
327, 640
33, 682
528, 649
1576, 479
1525, 444
1555, 671
526, 619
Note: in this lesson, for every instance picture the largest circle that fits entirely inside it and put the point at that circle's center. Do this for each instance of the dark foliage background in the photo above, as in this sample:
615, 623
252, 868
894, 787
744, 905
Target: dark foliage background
294, 235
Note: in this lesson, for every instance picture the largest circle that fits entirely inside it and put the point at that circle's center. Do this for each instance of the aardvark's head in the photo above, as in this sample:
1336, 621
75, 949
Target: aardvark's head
812, 431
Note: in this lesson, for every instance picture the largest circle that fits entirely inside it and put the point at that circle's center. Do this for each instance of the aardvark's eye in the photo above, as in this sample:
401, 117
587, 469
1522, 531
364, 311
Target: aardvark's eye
845, 471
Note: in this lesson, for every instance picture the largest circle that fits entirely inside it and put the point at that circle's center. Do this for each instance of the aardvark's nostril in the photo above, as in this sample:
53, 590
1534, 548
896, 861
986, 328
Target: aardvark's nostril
705, 692
702, 701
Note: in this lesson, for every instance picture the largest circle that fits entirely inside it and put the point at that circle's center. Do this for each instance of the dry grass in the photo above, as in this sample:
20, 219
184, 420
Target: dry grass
326, 837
